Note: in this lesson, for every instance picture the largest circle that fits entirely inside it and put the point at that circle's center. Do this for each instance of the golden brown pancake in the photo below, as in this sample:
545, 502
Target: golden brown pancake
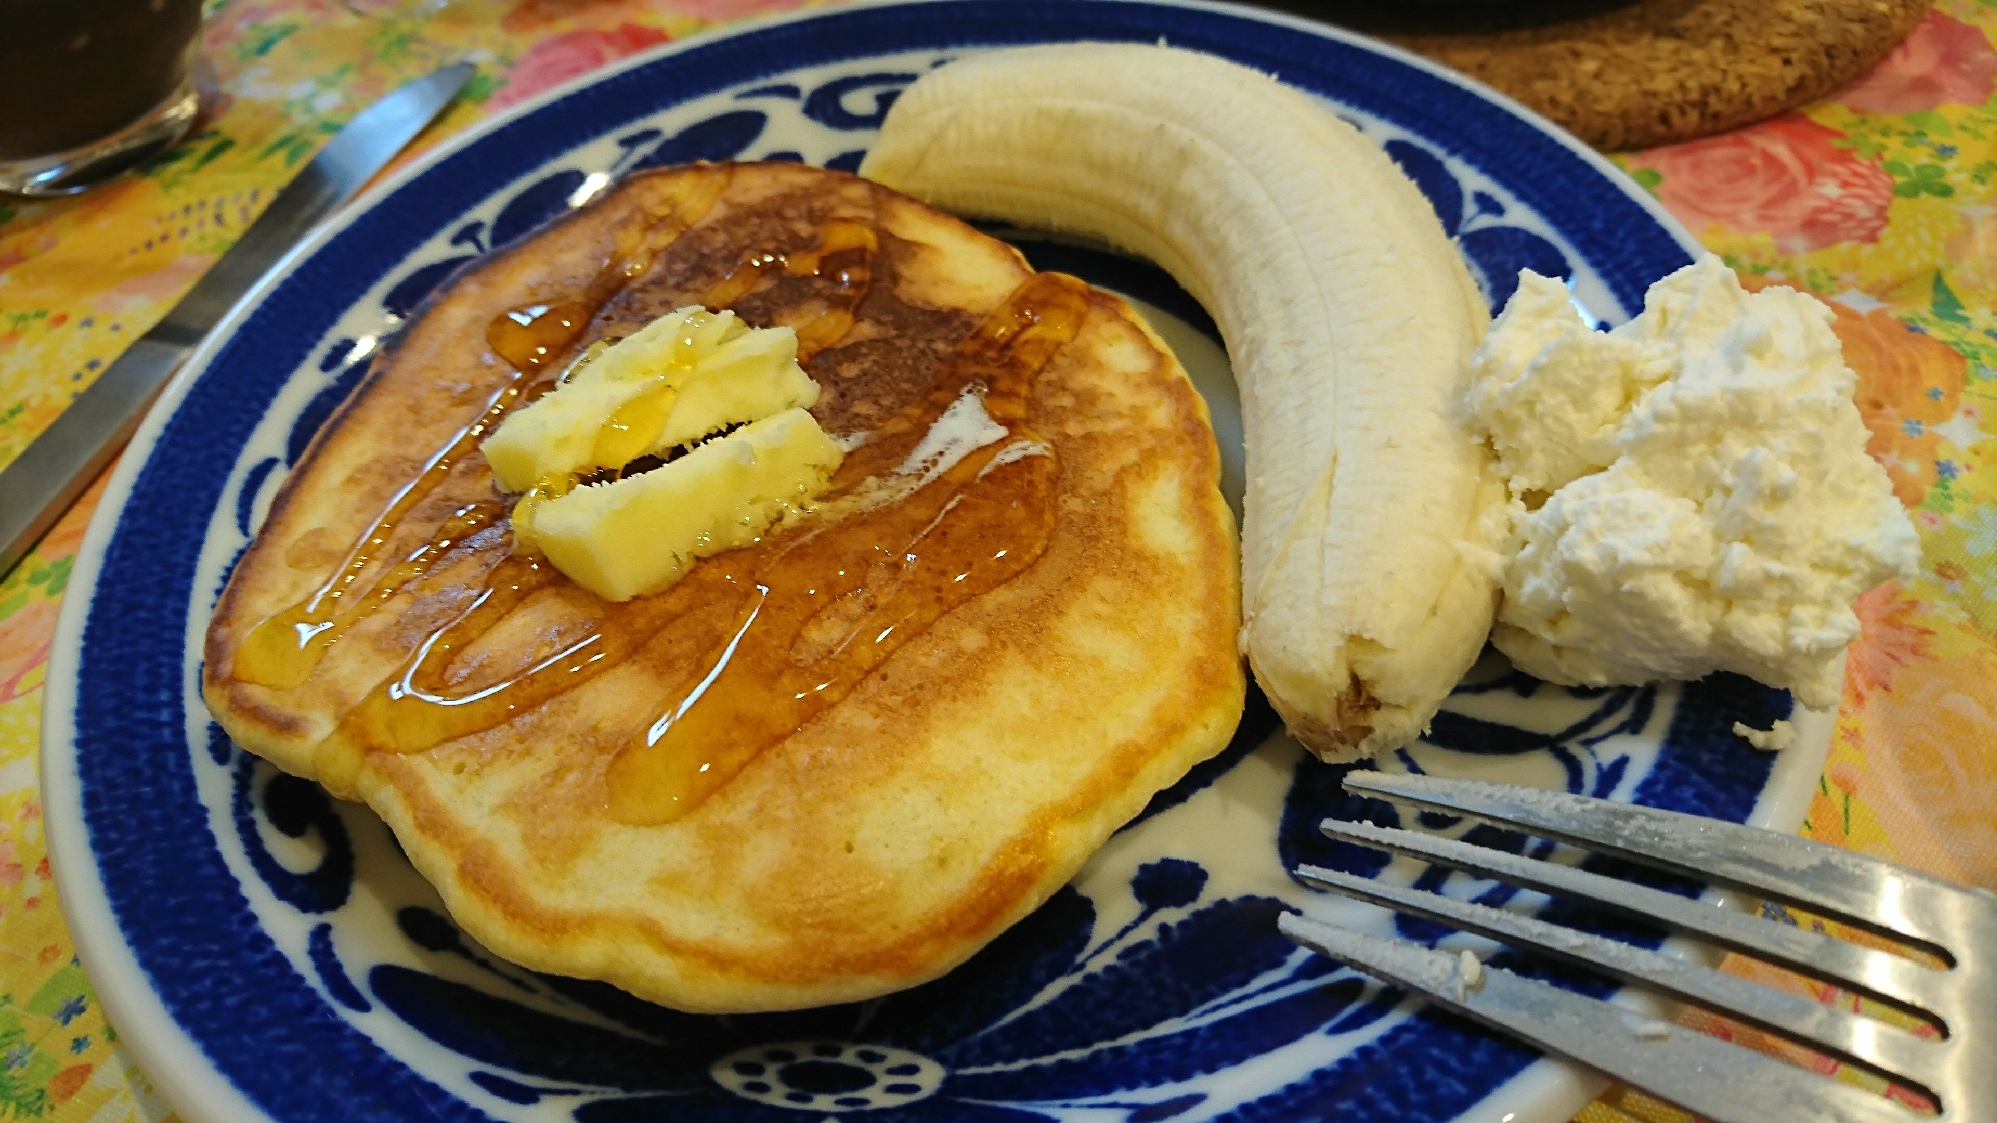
891, 728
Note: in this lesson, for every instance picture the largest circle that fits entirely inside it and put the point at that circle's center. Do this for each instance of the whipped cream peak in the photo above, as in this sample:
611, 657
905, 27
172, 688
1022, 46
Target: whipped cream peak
1690, 491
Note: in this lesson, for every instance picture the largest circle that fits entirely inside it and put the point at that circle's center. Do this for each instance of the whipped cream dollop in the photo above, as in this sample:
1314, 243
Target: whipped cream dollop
1690, 492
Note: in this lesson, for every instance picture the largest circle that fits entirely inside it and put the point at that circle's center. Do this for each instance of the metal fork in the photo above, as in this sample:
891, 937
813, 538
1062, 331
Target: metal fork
1712, 1078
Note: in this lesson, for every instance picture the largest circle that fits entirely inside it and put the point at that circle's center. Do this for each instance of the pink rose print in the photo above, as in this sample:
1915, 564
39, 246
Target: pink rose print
558, 58
1944, 62
24, 645
1784, 176
720, 10
155, 286
1887, 641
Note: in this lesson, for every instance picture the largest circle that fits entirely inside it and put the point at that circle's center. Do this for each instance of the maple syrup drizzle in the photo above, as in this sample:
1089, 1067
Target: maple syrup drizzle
845, 250
635, 426
282, 651
413, 712
803, 619
832, 606
765, 638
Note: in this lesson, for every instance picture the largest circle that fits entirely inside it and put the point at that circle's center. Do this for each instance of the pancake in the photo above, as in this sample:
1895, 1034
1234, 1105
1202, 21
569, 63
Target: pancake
896, 724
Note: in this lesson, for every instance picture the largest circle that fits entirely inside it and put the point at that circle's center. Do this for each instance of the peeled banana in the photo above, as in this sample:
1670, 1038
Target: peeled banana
1368, 545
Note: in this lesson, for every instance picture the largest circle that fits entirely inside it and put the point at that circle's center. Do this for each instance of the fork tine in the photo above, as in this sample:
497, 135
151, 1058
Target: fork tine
1889, 978
1889, 1052
1722, 1082
1877, 895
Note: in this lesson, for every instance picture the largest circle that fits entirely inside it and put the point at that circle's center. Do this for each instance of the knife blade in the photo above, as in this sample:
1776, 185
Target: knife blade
59, 464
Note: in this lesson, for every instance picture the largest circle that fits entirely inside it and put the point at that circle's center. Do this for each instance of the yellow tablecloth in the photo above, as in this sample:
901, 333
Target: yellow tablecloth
1880, 200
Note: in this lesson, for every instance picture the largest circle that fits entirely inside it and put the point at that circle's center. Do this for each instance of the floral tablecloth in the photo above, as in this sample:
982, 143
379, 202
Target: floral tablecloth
1881, 200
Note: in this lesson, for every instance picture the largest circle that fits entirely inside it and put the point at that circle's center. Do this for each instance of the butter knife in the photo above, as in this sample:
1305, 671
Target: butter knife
59, 464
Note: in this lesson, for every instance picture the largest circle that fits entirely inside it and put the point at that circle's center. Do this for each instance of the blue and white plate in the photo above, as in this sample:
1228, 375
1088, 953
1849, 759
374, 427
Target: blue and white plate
268, 953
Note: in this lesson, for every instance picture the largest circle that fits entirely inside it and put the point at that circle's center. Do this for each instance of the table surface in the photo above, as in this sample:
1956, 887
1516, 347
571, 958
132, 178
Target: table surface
1879, 200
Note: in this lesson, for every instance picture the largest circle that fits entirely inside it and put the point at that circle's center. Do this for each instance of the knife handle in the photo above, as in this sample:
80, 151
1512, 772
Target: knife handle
60, 463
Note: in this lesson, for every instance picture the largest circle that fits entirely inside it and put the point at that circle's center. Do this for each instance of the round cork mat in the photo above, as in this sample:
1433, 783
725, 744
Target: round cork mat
1648, 72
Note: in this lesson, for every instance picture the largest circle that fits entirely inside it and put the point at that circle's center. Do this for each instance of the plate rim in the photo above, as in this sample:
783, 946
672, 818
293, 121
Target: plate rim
177, 1064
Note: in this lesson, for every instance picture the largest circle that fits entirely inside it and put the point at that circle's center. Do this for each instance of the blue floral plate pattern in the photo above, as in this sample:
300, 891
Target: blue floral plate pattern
269, 954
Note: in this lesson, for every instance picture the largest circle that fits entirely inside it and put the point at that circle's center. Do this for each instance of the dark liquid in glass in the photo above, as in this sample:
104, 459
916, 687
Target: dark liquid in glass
75, 71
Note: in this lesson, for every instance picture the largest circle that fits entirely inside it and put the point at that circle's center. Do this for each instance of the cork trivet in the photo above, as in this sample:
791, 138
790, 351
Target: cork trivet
1655, 71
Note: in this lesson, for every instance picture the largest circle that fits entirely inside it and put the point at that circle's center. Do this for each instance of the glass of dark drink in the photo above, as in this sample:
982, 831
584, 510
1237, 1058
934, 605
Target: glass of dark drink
89, 88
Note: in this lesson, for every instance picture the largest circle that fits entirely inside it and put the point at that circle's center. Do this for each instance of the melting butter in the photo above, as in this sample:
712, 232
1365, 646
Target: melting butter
682, 377
962, 429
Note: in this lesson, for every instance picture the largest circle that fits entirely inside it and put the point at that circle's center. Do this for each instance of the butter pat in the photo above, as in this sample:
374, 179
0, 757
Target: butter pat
675, 383
716, 369
641, 533
555, 437
1689, 493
